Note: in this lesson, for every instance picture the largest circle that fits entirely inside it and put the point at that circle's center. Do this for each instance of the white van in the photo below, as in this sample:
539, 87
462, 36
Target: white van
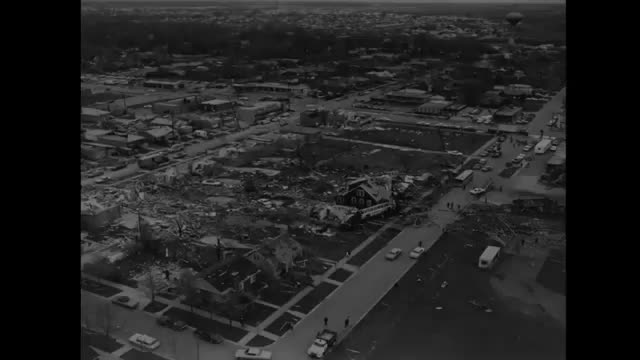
489, 257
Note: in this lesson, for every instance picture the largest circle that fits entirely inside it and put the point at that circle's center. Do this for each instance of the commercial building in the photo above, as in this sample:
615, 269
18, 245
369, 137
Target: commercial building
301, 90
434, 107
168, 85
177, 106
92, 115
518, 90
508, 114
406, 96
250, 114
216, 105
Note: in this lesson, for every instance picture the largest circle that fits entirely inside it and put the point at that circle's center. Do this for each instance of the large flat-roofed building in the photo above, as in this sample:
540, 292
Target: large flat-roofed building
216, 105
508, 114
406, 96
168, 85
93, 115
249, 114
518, 90
177, 106
434, 107
272, 88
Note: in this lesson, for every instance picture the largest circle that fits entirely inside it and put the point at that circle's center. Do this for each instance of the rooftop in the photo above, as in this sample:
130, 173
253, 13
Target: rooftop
94, 112
216, 102
226, 276
159, 132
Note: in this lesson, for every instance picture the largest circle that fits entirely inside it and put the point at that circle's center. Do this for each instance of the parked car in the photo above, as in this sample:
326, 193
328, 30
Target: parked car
484, 154
483, 161
126, 302
555, 143
324, 340
177, 325
454, 152
496, 154
477, 191
415, 253
144, 341
252, 353
477, 166
103, 180
393, 254
209, 337
527, 148
553, 148
487, 168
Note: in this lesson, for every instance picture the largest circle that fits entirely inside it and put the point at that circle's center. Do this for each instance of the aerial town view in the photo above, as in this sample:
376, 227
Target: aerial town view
345, 180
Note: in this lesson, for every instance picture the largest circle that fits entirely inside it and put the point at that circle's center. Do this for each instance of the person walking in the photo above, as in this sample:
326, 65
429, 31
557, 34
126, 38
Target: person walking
458, 207
346, 322
420, 243
326, 321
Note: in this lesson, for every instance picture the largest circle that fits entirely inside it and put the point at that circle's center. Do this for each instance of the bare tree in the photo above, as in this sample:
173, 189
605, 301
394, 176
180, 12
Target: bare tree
151, 284
186, 286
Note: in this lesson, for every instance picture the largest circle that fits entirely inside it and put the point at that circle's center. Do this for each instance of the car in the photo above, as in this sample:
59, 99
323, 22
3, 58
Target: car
243, 98
393, 254
501, 138
253, 353
145, 341
477, 166
125, 302
415, 253
521, 156
487, 168
209, 337
483, 161
555, 143
477, 191
454, 152
484, 154
527, 148
323, 341
553, 148
166, 321
496, 154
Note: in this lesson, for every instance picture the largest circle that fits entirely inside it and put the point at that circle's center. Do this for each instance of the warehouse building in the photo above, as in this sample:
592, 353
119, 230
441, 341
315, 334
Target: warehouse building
434, 107
216, 105
250, 114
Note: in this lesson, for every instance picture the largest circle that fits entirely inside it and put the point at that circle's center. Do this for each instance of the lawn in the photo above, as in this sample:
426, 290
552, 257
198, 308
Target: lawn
376, 245
197, 321
278, 295
278, 326
508, 172
98, 288
315, 297
97, 340
155, 306
552, 275
340, 275
134, 354
257, 313
332, 247
259, 341
427, 139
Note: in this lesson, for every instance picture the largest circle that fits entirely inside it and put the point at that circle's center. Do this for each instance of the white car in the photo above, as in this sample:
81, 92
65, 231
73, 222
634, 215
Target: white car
322, 343
477, 191
144, 341
415, 253
393, 254
553, 148
527, 148
456, 153
103, 180
253, 353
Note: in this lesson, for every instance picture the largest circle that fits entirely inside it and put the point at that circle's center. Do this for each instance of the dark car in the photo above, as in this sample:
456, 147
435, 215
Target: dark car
209, 336
166, 321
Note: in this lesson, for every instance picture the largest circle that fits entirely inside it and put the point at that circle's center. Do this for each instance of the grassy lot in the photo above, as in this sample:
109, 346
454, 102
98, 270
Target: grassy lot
427, 139
340, 275
257, 313
134, 354
278, 326
197, 321
407, 322
98, 288
508, 172
552, 275
97, 340
278, 295
315, 297
259, 341
155, 306
334, 247
376, 245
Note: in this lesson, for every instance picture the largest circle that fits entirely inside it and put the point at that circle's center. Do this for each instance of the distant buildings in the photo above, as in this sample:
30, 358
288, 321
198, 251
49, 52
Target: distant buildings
272, 88
518, 90
250, 114
177, 106
92, 115
434, 107
216, 105
168, 85
406, 96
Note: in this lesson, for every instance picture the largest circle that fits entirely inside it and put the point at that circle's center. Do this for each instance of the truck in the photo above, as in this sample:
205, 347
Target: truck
543, 146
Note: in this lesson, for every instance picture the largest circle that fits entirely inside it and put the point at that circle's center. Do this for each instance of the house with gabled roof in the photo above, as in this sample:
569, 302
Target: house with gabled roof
276, 255
366, 192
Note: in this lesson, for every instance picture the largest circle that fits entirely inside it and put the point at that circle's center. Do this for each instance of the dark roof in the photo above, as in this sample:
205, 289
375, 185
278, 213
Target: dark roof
377, 191
226, 276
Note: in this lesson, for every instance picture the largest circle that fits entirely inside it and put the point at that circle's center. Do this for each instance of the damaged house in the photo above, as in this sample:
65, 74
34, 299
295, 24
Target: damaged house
221, 282
366, 192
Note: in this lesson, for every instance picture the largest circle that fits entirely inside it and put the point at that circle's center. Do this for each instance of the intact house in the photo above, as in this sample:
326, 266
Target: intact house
366, 192
221, 282
277, 255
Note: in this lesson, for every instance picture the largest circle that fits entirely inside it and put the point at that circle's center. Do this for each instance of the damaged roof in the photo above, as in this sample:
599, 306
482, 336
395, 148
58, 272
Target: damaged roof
227, 276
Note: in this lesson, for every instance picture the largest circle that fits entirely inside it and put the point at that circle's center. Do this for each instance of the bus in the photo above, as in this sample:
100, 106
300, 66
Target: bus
464, 178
